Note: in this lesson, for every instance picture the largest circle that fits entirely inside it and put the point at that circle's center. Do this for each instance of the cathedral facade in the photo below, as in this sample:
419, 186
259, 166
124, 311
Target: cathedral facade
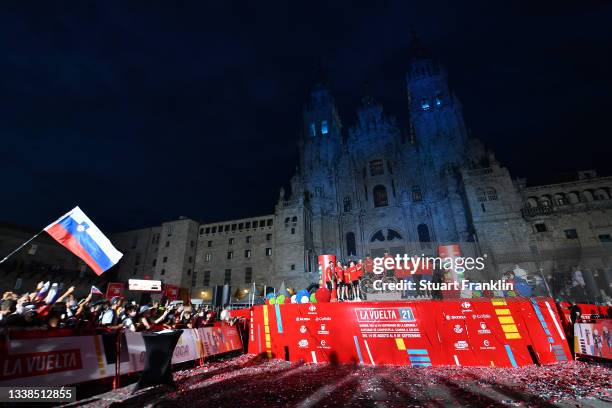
375, 188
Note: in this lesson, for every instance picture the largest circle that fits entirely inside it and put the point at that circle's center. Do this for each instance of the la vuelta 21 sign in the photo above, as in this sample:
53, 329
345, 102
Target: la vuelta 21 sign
474, 332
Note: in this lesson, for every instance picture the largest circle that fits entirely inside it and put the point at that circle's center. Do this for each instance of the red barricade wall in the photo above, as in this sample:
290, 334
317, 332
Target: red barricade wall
474, 332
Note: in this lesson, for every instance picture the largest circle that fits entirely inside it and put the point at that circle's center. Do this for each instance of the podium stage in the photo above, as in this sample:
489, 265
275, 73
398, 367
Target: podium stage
420, 333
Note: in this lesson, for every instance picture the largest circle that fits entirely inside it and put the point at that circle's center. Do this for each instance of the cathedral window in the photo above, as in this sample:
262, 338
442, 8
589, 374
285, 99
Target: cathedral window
481, 195
347, 204
350, 244
491, 194
318, 191
392, 234
425, 104
313, 129
378, 236
380, 196
377, 168
389, 167
393, 187
424, 237
324, 129
416, 193
286, 222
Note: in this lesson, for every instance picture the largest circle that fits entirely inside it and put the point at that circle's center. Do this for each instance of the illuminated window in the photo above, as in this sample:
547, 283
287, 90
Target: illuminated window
313, 129
324, 127
425, 104
438, 100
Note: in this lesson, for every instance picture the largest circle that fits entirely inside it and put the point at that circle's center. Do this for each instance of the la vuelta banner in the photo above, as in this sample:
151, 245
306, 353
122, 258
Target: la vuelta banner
67, 359
474, 332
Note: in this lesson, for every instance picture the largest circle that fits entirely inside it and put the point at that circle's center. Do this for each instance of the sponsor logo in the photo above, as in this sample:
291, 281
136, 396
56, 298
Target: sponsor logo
32, 364
486, 345
454, 317
322, 318
481, 316
461, 345
458, 328
303, 329
323, 345
312, 309
303, 343
323, 329
302, 319
483, 329
466, 306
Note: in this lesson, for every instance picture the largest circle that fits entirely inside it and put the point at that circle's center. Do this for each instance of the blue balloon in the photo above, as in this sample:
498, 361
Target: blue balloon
301, 294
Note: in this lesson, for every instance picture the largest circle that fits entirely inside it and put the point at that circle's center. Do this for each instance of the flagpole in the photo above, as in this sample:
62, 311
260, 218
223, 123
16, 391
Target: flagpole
21, 246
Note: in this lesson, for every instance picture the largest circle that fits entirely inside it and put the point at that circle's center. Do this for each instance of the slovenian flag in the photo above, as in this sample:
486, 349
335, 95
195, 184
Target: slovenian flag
75, 231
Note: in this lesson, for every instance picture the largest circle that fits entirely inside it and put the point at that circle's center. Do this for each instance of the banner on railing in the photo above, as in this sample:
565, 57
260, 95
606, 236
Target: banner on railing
494, 332
75, 359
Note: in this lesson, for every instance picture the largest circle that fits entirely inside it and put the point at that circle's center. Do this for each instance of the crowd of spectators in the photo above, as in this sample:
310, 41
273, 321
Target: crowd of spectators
45, 307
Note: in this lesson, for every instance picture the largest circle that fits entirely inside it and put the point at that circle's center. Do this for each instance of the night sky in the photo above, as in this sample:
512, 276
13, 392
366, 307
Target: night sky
146, 111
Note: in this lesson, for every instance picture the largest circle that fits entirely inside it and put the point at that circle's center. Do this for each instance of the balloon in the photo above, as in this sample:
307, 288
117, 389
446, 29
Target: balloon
294, 299
304, 299
280, 300
313, 299
272, 301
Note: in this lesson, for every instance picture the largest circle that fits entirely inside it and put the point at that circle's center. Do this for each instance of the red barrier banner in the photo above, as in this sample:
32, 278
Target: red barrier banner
478, 332
70, 359
594, 339
114, 289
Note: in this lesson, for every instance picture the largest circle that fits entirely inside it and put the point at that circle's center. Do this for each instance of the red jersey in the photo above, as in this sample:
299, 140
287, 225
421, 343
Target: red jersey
358, 271
339, 273
350, 274
329, 274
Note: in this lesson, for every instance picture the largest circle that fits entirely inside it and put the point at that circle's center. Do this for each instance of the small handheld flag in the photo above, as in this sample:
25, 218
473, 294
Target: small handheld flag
79, 235
95, 291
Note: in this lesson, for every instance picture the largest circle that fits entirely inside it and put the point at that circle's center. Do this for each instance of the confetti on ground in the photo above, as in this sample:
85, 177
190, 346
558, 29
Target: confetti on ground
248, 380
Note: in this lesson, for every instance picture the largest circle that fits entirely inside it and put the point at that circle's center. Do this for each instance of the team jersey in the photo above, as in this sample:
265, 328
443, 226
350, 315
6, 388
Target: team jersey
358, 271
348, 274
329, 274
339, 273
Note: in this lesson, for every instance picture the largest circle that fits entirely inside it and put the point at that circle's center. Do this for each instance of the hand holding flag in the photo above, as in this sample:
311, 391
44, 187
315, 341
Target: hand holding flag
95, 291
